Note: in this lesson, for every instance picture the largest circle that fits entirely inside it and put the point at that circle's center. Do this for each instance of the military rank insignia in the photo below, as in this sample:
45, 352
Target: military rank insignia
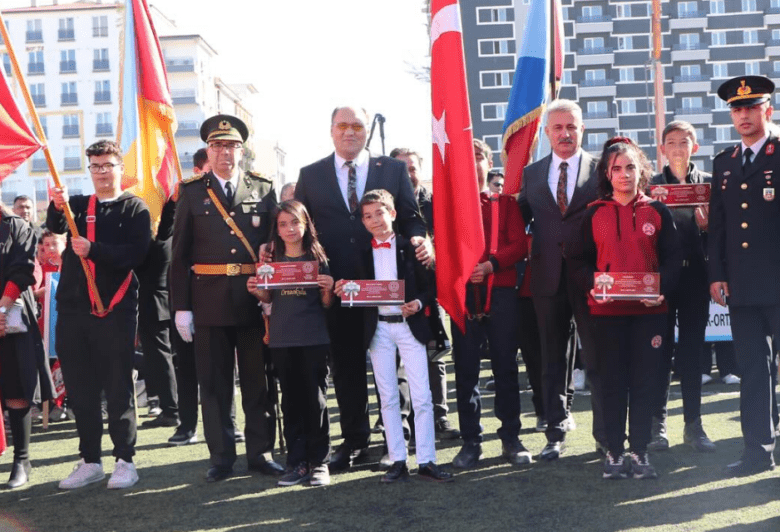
769, 194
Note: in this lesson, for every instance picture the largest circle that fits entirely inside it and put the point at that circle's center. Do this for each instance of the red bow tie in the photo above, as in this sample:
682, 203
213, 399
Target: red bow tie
378, 245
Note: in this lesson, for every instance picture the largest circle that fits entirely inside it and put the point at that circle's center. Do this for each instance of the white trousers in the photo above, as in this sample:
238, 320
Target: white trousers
388, 336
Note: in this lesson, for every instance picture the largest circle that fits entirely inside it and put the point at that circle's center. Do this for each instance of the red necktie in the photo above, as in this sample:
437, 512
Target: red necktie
562, 197
379, 245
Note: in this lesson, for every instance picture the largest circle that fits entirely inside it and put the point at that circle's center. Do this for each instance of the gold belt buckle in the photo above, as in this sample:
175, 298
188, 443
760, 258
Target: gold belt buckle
232, 270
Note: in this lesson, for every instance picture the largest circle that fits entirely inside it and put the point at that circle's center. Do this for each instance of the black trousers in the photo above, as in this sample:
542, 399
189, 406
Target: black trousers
725, 359
216, 350
531, 349
348, 355
303, 376
750, 327
689, 309
159, 370
97, 354
630, 350
500, 329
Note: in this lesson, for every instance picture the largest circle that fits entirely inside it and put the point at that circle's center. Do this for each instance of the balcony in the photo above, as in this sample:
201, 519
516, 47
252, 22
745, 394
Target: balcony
67, 67
686, 79
69, 98
772, 16
100, 65
188, 130
40, 165
692, 83
690, 51
69, 131
66, 35
593, 148
596, 88
688, 20
595, 55
39, 100
692, 110
691, 14
72, 163
104, 130
179, 100
34, 36
102, 97
35, 69
100, 31
594, 18
595, 50
184, 65
596, 82
596, 115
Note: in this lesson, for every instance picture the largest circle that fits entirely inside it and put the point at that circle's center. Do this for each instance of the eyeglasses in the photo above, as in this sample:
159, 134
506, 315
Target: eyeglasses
230, 146
102, 168
357, 127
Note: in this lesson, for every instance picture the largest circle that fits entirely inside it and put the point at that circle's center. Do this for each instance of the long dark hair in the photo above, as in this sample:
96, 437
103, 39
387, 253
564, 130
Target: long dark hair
310, 243
620, 146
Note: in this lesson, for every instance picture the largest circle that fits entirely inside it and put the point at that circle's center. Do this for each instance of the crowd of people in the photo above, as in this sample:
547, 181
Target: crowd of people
188, 285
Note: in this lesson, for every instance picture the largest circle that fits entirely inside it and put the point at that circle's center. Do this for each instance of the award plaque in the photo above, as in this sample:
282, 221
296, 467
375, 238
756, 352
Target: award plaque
287, 275
370, 293
682, 195
627, 285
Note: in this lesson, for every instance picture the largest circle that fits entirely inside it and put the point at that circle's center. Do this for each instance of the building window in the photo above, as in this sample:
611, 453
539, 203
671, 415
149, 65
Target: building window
692, 104
720, 70
595, 77
70, 126
100, 61
690, 72
7, 64
752, 68
66, 32
689, 41
633, 135
35, 63
719, 38
774, 4
100, 26
623, 10
69, 95
491, 80
34, 31
103, 91
494, 141
497, 47
104, 124
750, 36
723, 134
594, 43
628, 107
626, 42
493, 111
686, 9
591, 12
39, 163
717, 7
596, 141
749, 5
626, 73
489, 15
776, 33
38, 93
42, 119
720, 104
597, 109
72, 158
67, 61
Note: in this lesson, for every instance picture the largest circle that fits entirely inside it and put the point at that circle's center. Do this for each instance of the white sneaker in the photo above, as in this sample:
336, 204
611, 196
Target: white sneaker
705, 379
124, 475
82, 475
578, 378
731, 379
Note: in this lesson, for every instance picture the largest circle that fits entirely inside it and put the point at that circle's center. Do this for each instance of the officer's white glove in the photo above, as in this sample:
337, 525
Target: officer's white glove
185, 324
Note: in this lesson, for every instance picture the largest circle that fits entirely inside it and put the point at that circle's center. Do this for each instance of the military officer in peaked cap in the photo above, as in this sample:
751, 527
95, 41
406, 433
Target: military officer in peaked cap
744, 258
222, 218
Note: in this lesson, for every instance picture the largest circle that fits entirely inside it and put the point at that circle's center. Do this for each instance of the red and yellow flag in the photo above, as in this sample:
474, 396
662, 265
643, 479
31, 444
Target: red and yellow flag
18, 142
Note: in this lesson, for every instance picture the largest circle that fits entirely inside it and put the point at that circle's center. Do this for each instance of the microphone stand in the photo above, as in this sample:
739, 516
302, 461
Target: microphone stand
378, 118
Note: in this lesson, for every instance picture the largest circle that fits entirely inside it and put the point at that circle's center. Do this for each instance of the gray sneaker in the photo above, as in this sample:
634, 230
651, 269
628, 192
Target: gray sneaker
640, 466
659, 440
616, 466
320, 475
515, 452
694, 435
294, 476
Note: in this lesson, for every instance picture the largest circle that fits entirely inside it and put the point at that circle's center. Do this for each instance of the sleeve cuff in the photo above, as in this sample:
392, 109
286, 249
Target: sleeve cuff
11, 291
494, 262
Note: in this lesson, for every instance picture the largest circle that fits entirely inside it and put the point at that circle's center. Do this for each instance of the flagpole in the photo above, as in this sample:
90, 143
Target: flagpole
42, 137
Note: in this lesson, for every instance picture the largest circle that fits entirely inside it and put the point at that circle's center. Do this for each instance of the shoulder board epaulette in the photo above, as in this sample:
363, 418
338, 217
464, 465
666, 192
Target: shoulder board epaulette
258, 176
728, 151
191, 179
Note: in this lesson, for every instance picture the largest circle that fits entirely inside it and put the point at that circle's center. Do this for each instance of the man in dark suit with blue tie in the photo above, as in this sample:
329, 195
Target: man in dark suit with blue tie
331, 189
744, 259
555, 193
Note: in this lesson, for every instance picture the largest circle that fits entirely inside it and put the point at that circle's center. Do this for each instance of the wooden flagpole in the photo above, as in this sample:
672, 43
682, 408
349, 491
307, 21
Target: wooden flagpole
54, 174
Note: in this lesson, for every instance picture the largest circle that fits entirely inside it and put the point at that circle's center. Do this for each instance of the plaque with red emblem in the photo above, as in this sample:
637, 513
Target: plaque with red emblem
682, 195
371, 293
627, 285
299, 274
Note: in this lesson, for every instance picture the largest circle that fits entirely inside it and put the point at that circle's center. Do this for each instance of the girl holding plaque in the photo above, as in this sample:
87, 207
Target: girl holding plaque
299, 342
627, 236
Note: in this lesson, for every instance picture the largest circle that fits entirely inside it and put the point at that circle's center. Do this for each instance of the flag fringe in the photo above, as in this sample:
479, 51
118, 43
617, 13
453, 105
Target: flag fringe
519, 124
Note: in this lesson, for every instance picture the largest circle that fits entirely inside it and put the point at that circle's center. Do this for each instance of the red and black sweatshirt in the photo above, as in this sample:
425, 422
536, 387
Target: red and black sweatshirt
638, 237
512, 240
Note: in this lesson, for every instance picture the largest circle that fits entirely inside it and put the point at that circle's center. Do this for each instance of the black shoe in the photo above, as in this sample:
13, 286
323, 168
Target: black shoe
239, 436
746, 467
182, 437
345, 456
267, 467
161, 421
515, 452
694, 435
469, 455
20, 474
434, 473
217, 473
552, 451
399, 471
445, 431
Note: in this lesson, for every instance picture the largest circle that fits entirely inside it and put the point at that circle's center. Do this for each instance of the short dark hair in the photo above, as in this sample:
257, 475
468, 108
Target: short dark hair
104, 147
679, 125
619, 146
405, 152
200, 158
22, 197
482, 146
378, 195
494, 174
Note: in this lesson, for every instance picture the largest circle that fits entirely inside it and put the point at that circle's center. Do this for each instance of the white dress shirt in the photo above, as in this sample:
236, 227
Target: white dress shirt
361, 171
755, 148
233, 180
572, 173
386, 269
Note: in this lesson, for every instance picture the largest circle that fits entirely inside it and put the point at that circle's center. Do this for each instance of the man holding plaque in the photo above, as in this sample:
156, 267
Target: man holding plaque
689, 304
744, 258
330, 189
222, 217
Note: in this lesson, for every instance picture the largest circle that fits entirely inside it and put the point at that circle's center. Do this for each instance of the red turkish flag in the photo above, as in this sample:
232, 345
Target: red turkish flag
460, 238
18, 142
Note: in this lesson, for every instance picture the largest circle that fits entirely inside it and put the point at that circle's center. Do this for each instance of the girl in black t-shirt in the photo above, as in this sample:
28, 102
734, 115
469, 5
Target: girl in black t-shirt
299, 341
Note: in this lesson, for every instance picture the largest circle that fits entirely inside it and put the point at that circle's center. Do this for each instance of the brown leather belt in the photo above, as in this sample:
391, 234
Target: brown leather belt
230, 270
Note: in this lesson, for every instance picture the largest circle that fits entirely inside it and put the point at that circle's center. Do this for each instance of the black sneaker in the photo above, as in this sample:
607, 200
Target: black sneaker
469, 455
182, 437
433, 473
515, 452
161, 421
616, 466
659, 440
444, 430
694, 435
295, 476
640, 466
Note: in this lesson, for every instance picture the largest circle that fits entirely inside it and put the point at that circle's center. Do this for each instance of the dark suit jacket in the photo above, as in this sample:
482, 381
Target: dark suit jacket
153, 298
552, 230
341, 232
418, 284
744, 229
201, 236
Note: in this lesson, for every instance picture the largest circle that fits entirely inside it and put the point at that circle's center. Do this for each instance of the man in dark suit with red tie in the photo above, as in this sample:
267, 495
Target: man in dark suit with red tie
331, 189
